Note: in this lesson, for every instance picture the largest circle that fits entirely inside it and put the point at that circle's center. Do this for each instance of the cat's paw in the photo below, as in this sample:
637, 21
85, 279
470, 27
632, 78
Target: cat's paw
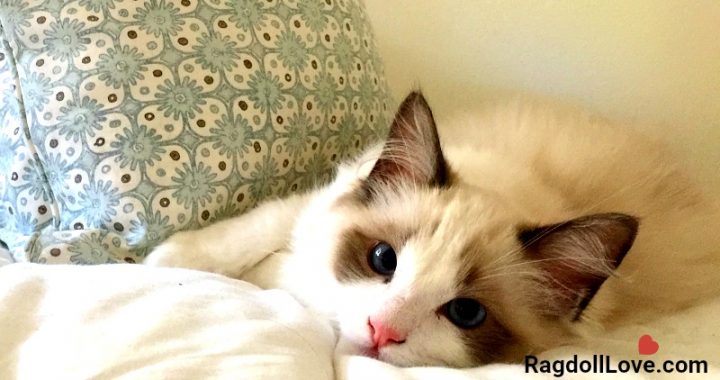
177, 251
190, 250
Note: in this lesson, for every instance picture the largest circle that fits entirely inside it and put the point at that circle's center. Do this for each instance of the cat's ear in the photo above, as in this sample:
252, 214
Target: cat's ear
412, 152
577, 256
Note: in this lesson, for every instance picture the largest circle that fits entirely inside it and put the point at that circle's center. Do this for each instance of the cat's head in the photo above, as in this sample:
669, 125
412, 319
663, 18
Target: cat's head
420, 268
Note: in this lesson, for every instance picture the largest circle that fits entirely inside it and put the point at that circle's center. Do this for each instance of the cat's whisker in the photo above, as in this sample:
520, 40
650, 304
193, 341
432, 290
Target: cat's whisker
589, 263
503, 274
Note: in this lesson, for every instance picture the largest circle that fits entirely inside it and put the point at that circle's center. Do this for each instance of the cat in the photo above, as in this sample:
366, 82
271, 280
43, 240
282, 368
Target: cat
505, 240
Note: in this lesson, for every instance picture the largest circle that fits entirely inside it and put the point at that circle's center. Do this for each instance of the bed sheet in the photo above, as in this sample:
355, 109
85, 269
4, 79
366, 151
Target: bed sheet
90, 322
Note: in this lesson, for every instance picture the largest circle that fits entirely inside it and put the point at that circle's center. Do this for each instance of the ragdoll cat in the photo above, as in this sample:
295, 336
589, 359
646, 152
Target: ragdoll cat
506, 241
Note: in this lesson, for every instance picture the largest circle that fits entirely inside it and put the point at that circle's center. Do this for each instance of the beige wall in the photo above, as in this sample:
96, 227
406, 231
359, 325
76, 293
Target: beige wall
654, 61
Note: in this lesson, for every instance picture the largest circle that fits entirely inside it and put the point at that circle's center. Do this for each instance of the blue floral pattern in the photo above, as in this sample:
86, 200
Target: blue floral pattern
125, 121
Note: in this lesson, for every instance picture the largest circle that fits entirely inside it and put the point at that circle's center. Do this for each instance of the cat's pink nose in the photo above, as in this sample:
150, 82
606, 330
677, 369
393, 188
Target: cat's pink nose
382, 334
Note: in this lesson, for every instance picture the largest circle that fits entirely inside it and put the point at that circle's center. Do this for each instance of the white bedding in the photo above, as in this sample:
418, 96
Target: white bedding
74, 322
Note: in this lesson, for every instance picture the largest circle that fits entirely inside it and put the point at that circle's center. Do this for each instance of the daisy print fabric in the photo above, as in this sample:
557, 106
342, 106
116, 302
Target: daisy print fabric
125, 121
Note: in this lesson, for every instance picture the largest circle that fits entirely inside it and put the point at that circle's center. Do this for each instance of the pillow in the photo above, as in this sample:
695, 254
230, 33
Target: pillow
124, 121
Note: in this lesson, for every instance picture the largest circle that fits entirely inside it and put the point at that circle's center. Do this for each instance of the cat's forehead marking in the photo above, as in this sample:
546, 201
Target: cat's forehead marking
441, 224
471, 235
448, 255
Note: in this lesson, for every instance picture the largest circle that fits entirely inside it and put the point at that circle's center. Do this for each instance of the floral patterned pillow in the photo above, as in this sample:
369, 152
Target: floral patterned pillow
123, 121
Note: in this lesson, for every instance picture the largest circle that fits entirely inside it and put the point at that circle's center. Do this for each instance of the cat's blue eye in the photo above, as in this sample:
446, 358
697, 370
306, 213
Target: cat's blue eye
382, 259
465, 313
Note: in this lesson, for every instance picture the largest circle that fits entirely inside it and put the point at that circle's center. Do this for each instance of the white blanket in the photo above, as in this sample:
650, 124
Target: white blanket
137, 322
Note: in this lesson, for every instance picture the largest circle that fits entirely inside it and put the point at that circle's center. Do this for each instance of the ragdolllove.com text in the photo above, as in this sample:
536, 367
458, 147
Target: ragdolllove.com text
603, 364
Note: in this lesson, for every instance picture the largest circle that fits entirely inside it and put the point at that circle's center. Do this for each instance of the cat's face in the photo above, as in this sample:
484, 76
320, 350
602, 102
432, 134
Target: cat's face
427, 270
435, 270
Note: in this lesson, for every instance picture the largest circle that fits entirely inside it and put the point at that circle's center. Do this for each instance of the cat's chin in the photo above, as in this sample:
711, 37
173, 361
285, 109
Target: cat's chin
371, 352
374, 353
348, 347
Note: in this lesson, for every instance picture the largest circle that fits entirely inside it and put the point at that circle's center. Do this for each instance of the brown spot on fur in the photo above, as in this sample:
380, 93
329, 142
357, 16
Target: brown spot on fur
351, 259
490, 342
497, 339
351, 254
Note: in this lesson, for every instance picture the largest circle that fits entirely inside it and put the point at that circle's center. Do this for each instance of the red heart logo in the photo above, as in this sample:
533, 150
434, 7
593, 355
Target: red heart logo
647, 346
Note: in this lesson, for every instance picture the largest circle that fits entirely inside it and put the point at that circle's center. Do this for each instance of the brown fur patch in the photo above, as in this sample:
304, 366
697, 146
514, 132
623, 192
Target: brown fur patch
492, 341
351, 258
351, 261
